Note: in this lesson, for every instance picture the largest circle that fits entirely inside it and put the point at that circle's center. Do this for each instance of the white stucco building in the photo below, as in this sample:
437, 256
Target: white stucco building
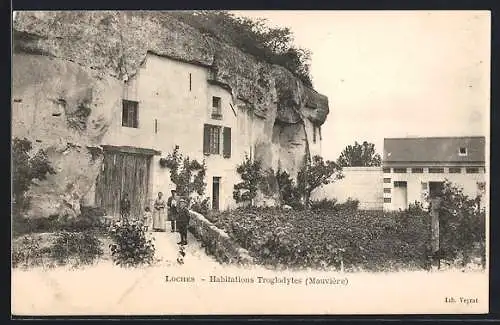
170, 103
415, 167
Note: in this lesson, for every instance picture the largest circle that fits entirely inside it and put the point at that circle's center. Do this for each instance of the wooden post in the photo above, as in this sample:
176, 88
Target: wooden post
435, 249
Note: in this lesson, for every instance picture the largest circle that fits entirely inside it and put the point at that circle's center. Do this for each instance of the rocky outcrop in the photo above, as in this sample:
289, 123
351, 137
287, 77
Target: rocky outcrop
69, 69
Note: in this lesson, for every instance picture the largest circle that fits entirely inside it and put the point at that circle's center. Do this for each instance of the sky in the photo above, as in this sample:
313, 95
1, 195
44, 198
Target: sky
395, 74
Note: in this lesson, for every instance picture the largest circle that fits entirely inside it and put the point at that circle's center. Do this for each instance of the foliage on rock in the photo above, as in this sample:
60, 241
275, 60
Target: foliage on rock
200, 205
359, 155
271, 44
131, 247
26, 167
250, 172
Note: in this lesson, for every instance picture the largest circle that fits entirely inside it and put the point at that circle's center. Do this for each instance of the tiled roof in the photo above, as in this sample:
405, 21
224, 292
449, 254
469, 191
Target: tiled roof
434, 149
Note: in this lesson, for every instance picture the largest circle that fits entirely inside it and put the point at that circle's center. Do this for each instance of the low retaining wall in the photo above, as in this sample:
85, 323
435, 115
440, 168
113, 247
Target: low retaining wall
217, 242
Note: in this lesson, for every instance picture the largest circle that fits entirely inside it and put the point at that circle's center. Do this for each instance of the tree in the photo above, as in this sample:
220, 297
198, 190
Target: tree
25, 169
288, 192
315, 174
251, 174
462, 222
187, 174
359, 155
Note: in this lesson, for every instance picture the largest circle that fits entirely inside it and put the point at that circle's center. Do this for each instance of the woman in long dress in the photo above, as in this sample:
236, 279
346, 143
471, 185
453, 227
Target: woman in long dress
159, 213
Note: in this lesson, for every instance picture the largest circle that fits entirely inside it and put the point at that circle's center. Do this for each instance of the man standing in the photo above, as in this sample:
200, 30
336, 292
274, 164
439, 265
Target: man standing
183, 218
125, 208
172, 210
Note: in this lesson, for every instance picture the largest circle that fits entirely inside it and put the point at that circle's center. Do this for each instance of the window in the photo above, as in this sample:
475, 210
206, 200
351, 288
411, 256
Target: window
386, 170
387, 200
424, 186
454, 170
417, 170
314, 134
387, 190
211, 139
399, 184
462, 151
212, 136
387, 180
472, 170
436, 170
190, 82
130, 114
400, 170
216, 108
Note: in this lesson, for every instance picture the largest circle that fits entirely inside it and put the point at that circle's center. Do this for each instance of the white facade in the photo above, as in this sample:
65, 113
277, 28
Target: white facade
174, 101
402, 188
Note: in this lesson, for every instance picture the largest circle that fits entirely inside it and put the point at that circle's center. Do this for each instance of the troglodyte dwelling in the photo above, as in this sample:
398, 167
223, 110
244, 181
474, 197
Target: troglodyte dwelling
107, 94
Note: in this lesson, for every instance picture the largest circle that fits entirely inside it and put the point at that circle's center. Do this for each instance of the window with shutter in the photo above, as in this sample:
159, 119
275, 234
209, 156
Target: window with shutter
227, 143
206, 139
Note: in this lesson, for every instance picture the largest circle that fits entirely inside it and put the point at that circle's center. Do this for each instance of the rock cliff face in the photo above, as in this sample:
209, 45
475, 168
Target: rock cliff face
69, 69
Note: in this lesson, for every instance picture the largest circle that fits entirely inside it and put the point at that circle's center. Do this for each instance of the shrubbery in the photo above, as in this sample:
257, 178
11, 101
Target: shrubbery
64, 248
370, 240
76, 248
131, 247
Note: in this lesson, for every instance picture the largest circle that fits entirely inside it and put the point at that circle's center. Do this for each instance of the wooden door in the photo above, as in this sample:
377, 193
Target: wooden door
123, 173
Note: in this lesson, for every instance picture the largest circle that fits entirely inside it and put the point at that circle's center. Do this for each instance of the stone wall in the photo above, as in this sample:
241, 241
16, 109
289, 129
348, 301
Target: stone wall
217, 242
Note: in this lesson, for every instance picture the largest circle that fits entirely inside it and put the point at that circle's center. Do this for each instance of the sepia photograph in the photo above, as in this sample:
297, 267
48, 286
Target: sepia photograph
217, 162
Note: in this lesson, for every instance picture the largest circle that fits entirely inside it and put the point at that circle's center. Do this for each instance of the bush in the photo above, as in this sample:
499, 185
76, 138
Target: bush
75, 248
28, 253
85, 222
370, 240
351, 205
61, 248
131, 247
324, 205
201, 205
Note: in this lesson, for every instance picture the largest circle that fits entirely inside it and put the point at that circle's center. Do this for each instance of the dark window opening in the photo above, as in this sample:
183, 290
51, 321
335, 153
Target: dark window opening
387, 200
399, 184
386, 170
215, 193
216, 108
455, 170
417, 170
472, 170
462, 151
190, 82
156, 126
435, 189
387, 180
400, 170
130, 117
314, 134
387, 190
436, 170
